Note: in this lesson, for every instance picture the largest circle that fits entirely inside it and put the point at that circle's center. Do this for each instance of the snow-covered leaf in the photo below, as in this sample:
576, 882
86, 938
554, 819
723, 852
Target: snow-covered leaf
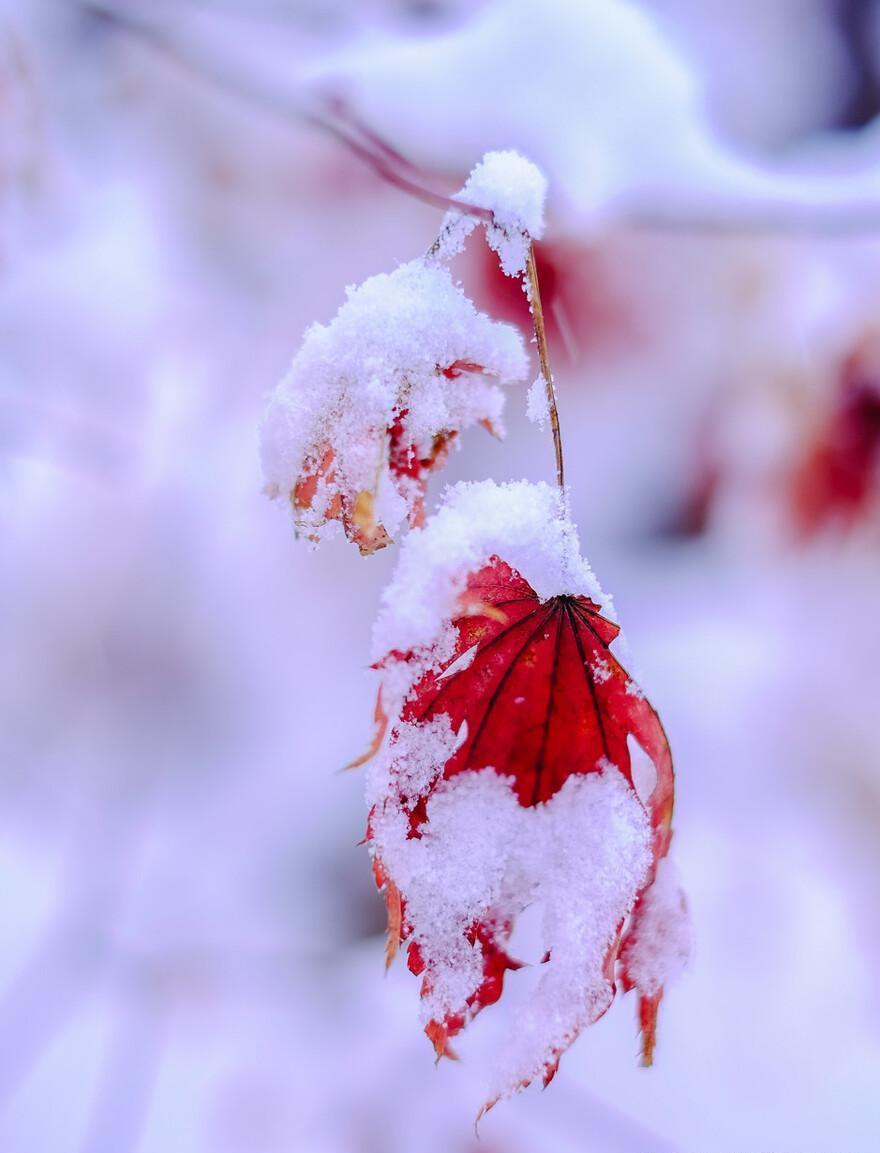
506, 779
373, 400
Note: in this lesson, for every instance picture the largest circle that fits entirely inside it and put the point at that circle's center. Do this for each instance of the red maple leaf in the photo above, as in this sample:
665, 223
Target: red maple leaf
839, 475
535, 694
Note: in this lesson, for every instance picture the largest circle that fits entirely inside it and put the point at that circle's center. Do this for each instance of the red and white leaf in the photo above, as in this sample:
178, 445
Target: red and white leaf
506, 780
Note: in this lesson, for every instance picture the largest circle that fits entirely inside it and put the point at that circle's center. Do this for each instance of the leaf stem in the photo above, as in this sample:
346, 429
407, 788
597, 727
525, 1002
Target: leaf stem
534, 295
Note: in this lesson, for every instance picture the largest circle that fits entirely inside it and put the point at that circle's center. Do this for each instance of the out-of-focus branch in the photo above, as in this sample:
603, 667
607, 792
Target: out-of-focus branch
330, 114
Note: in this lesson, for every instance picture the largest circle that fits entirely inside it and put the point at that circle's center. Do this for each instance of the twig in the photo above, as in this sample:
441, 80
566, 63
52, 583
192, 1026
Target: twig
534, 295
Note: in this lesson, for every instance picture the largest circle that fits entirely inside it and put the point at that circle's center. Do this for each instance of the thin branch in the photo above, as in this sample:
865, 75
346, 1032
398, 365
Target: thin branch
534, 295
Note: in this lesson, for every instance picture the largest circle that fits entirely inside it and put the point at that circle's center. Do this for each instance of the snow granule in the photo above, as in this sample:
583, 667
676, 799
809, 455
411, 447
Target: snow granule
406, 345
601, 671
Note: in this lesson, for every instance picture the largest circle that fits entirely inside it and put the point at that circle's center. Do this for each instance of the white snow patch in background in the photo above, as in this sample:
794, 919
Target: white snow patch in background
641, 128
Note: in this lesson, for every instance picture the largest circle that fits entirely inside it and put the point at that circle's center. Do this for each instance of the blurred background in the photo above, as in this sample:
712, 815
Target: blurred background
190, 944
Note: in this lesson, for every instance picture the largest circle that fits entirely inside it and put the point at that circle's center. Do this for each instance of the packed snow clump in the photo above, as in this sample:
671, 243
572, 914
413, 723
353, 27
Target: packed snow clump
481, 858
373, 400
513, 190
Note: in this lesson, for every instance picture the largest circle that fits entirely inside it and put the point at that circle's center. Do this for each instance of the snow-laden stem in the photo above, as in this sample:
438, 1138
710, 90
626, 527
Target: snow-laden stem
534, 295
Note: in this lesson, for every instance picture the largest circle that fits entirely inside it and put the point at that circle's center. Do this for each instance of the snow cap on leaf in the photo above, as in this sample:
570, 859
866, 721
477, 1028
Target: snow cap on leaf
373, 400
527, 524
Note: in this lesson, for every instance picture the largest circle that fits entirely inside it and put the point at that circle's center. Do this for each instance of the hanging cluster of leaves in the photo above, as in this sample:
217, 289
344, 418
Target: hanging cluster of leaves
502, 773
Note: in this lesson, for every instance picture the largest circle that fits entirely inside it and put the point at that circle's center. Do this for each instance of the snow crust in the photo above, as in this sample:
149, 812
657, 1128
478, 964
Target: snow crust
526, 524
660, 944
385, 351
514, 190
482, 858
